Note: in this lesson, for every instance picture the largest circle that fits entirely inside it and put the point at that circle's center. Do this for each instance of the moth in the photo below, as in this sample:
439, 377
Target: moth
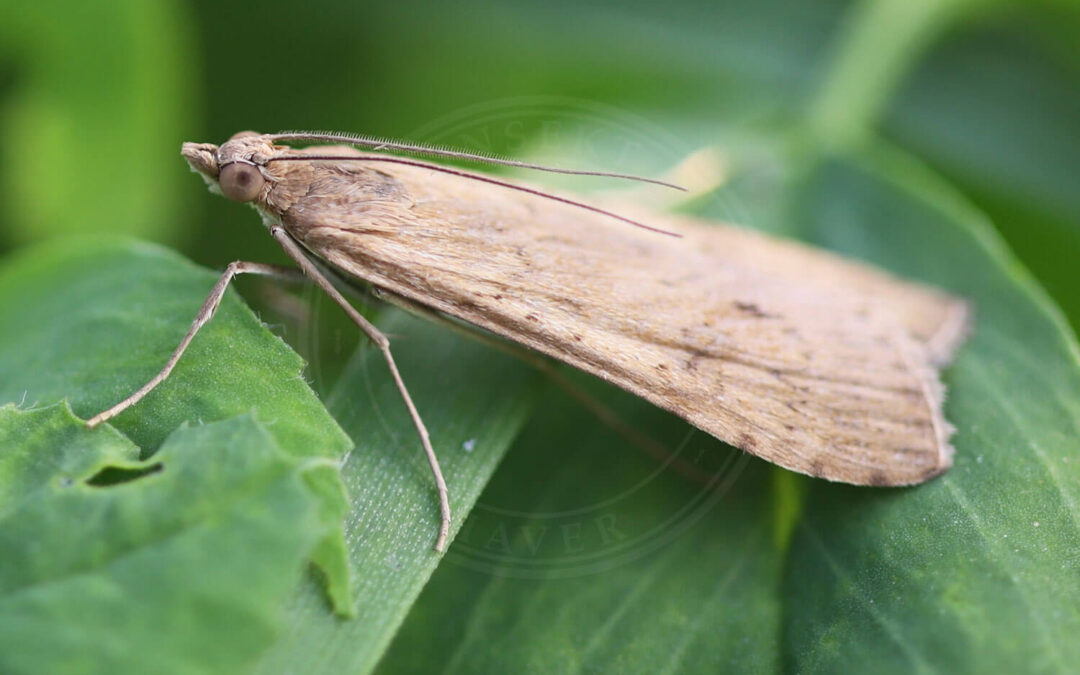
825, 366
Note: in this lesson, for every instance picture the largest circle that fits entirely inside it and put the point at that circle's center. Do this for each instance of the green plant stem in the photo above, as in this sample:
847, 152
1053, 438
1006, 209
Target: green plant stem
882, 42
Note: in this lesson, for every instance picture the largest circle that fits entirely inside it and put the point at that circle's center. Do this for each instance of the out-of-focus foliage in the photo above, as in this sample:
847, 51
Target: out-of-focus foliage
94, 98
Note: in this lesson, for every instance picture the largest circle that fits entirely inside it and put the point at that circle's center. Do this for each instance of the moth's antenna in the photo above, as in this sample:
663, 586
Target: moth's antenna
473, 176
385, 144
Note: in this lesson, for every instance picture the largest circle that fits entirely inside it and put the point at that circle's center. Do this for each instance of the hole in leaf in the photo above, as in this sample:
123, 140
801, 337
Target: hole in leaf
112, 475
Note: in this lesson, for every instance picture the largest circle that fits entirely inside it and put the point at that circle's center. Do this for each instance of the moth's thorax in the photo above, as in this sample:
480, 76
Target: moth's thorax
347, 197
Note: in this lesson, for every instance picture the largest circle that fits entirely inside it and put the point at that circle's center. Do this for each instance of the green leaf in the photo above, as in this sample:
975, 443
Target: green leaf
588, 555
92, 320
976, 571
473, 402
149, 567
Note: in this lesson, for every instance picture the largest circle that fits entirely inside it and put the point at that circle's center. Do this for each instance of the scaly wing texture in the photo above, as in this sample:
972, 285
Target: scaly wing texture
821, 365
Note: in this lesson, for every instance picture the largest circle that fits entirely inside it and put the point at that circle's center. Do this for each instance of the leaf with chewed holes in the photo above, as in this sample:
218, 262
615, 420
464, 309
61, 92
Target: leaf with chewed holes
119, 565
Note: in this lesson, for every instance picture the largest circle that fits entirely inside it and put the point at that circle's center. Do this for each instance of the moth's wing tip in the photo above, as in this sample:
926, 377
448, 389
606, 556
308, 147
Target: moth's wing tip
936, 394
938, 470
942, 455
939, 351
890, 471
945, 462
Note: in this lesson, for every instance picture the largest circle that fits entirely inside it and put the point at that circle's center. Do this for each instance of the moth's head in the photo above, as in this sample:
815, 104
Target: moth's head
236, 169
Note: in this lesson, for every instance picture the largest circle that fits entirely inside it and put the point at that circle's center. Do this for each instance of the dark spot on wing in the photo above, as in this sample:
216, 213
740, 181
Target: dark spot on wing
752, 309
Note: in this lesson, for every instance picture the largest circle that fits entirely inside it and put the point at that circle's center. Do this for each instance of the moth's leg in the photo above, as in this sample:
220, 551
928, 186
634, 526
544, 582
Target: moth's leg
205, 314
376, 336
550, 369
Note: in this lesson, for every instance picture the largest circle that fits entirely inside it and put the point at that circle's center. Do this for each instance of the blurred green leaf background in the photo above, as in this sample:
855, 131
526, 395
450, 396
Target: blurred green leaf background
938, 138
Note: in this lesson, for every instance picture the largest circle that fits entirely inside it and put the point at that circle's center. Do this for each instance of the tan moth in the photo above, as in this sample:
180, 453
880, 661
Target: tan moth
822, 365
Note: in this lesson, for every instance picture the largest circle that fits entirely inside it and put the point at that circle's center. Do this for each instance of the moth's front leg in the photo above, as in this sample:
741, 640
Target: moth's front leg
201, 319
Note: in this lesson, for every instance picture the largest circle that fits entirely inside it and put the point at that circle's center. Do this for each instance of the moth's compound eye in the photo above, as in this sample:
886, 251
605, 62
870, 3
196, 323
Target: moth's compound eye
240, 182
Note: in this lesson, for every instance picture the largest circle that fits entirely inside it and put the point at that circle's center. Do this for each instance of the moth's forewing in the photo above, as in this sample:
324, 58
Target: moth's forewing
822, 365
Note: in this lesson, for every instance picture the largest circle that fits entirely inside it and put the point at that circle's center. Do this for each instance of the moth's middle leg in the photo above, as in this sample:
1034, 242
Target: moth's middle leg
294, 251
